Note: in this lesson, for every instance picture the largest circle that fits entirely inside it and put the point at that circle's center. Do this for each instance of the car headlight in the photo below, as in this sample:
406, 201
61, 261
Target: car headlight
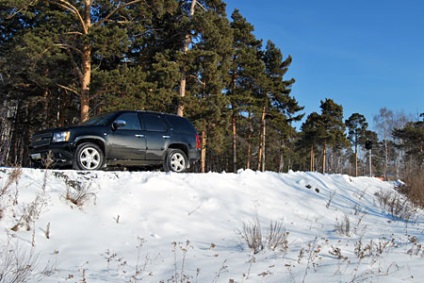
61, 136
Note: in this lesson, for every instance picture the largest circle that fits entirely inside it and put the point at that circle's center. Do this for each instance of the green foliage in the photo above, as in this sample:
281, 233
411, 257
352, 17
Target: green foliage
357, 129
136, 61
411, 139
333, 128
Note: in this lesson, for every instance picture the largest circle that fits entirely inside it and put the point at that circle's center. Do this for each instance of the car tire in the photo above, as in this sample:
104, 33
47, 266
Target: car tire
88, 156
176, 161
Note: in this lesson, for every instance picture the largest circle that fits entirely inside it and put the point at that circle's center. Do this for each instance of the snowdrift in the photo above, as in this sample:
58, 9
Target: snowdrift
74, 226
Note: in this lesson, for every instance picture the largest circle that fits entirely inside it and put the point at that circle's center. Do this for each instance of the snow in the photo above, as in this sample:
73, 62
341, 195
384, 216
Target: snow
167, 227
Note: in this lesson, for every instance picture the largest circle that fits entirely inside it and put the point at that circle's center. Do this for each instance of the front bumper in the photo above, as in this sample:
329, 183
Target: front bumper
51, 157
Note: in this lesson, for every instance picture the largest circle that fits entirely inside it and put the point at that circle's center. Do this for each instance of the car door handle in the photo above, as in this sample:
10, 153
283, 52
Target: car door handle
139, 136
166, 137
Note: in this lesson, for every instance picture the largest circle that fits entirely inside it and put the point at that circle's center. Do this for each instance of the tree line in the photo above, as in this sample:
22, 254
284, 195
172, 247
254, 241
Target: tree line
64, 61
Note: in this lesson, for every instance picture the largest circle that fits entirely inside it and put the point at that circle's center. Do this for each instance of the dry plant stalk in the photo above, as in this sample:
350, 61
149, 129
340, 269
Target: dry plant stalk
79, 196
14, 177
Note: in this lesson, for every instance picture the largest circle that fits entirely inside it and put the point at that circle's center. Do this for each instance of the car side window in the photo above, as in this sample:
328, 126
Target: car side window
180, 124
154, 123
131, 121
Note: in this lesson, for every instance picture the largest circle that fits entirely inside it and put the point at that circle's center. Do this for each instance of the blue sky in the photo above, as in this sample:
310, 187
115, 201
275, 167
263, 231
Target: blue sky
363, 54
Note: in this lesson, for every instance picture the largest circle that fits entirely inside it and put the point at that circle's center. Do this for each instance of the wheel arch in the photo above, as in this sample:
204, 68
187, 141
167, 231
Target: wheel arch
180, 146
93, 139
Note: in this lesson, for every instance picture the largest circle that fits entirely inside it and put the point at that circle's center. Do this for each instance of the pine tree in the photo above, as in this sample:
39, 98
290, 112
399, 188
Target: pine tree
411, 139
276, 100
311, 131
357, 129
333, 129
246, 70
205, 67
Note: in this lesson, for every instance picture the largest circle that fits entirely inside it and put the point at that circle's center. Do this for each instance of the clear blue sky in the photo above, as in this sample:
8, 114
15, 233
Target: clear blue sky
363, 54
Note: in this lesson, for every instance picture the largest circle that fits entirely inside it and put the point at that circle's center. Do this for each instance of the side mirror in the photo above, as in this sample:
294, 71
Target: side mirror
118, 124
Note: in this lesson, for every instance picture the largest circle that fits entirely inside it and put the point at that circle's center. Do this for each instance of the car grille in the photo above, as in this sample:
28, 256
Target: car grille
39, 140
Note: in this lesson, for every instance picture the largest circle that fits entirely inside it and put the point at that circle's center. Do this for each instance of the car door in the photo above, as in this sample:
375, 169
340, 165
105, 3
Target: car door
127, 140
157, 136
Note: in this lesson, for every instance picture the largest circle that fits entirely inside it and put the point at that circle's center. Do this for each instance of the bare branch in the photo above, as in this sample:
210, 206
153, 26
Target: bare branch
198, 80
117, 9
68, 6
68, 47
68, 88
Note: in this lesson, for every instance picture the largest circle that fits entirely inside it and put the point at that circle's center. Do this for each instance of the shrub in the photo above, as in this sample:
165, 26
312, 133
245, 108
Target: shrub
276, 239
396, 205
252, 234
17, 265
343, 227
79, 195
413, 188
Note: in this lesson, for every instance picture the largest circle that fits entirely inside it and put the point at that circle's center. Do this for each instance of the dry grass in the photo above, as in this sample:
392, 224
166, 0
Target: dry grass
276, 239
414, 187
79, 196
14, 177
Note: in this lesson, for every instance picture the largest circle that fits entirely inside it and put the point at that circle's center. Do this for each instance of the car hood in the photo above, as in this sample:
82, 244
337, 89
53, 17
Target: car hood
70, 128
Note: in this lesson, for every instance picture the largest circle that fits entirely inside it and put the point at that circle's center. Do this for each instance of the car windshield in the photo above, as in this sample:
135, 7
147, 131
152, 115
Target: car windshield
99, 120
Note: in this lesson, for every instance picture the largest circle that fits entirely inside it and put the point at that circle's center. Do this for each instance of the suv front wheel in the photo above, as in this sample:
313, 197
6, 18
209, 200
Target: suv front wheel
88, 156
176, 161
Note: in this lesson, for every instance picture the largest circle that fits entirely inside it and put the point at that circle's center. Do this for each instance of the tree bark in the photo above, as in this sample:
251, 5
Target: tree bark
234, 126
324, 157
261, 140
85, 84
183, 82
203, 153
312, 161
86, 66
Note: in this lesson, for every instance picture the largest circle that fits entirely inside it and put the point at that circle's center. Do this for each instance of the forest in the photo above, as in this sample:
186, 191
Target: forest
64, 61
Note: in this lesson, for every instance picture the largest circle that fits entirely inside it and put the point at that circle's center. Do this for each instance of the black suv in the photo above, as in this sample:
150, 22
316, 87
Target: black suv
122, 139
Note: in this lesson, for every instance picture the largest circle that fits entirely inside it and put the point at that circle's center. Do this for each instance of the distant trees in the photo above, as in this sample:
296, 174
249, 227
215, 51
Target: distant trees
356, 130
327, 132
385, 122
310, 138
411, 140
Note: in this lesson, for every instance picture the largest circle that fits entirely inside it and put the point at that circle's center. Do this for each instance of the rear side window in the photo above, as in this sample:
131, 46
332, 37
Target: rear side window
180, 124
154, 123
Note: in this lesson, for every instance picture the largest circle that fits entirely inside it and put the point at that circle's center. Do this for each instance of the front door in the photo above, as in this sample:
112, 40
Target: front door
128, 141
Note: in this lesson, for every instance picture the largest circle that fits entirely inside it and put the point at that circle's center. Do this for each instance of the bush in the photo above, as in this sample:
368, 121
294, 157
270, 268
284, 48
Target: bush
413, 188
16, 265
396, 205
276, 238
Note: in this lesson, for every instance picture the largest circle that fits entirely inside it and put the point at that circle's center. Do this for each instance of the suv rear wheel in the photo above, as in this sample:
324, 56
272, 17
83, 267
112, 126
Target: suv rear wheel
88, 156
176, 161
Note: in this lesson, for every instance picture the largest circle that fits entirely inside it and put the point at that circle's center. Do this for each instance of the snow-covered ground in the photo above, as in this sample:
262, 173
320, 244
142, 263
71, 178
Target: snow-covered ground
71, 226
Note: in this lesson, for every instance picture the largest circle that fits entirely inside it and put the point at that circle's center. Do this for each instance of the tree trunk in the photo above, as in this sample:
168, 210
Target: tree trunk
45, 102
85, 84
261, 140
312, 161
324, 157
249, 145
183, 82
234, 126
86, 66
263, 146
203, 153
356, 164
249, 150
356, 155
